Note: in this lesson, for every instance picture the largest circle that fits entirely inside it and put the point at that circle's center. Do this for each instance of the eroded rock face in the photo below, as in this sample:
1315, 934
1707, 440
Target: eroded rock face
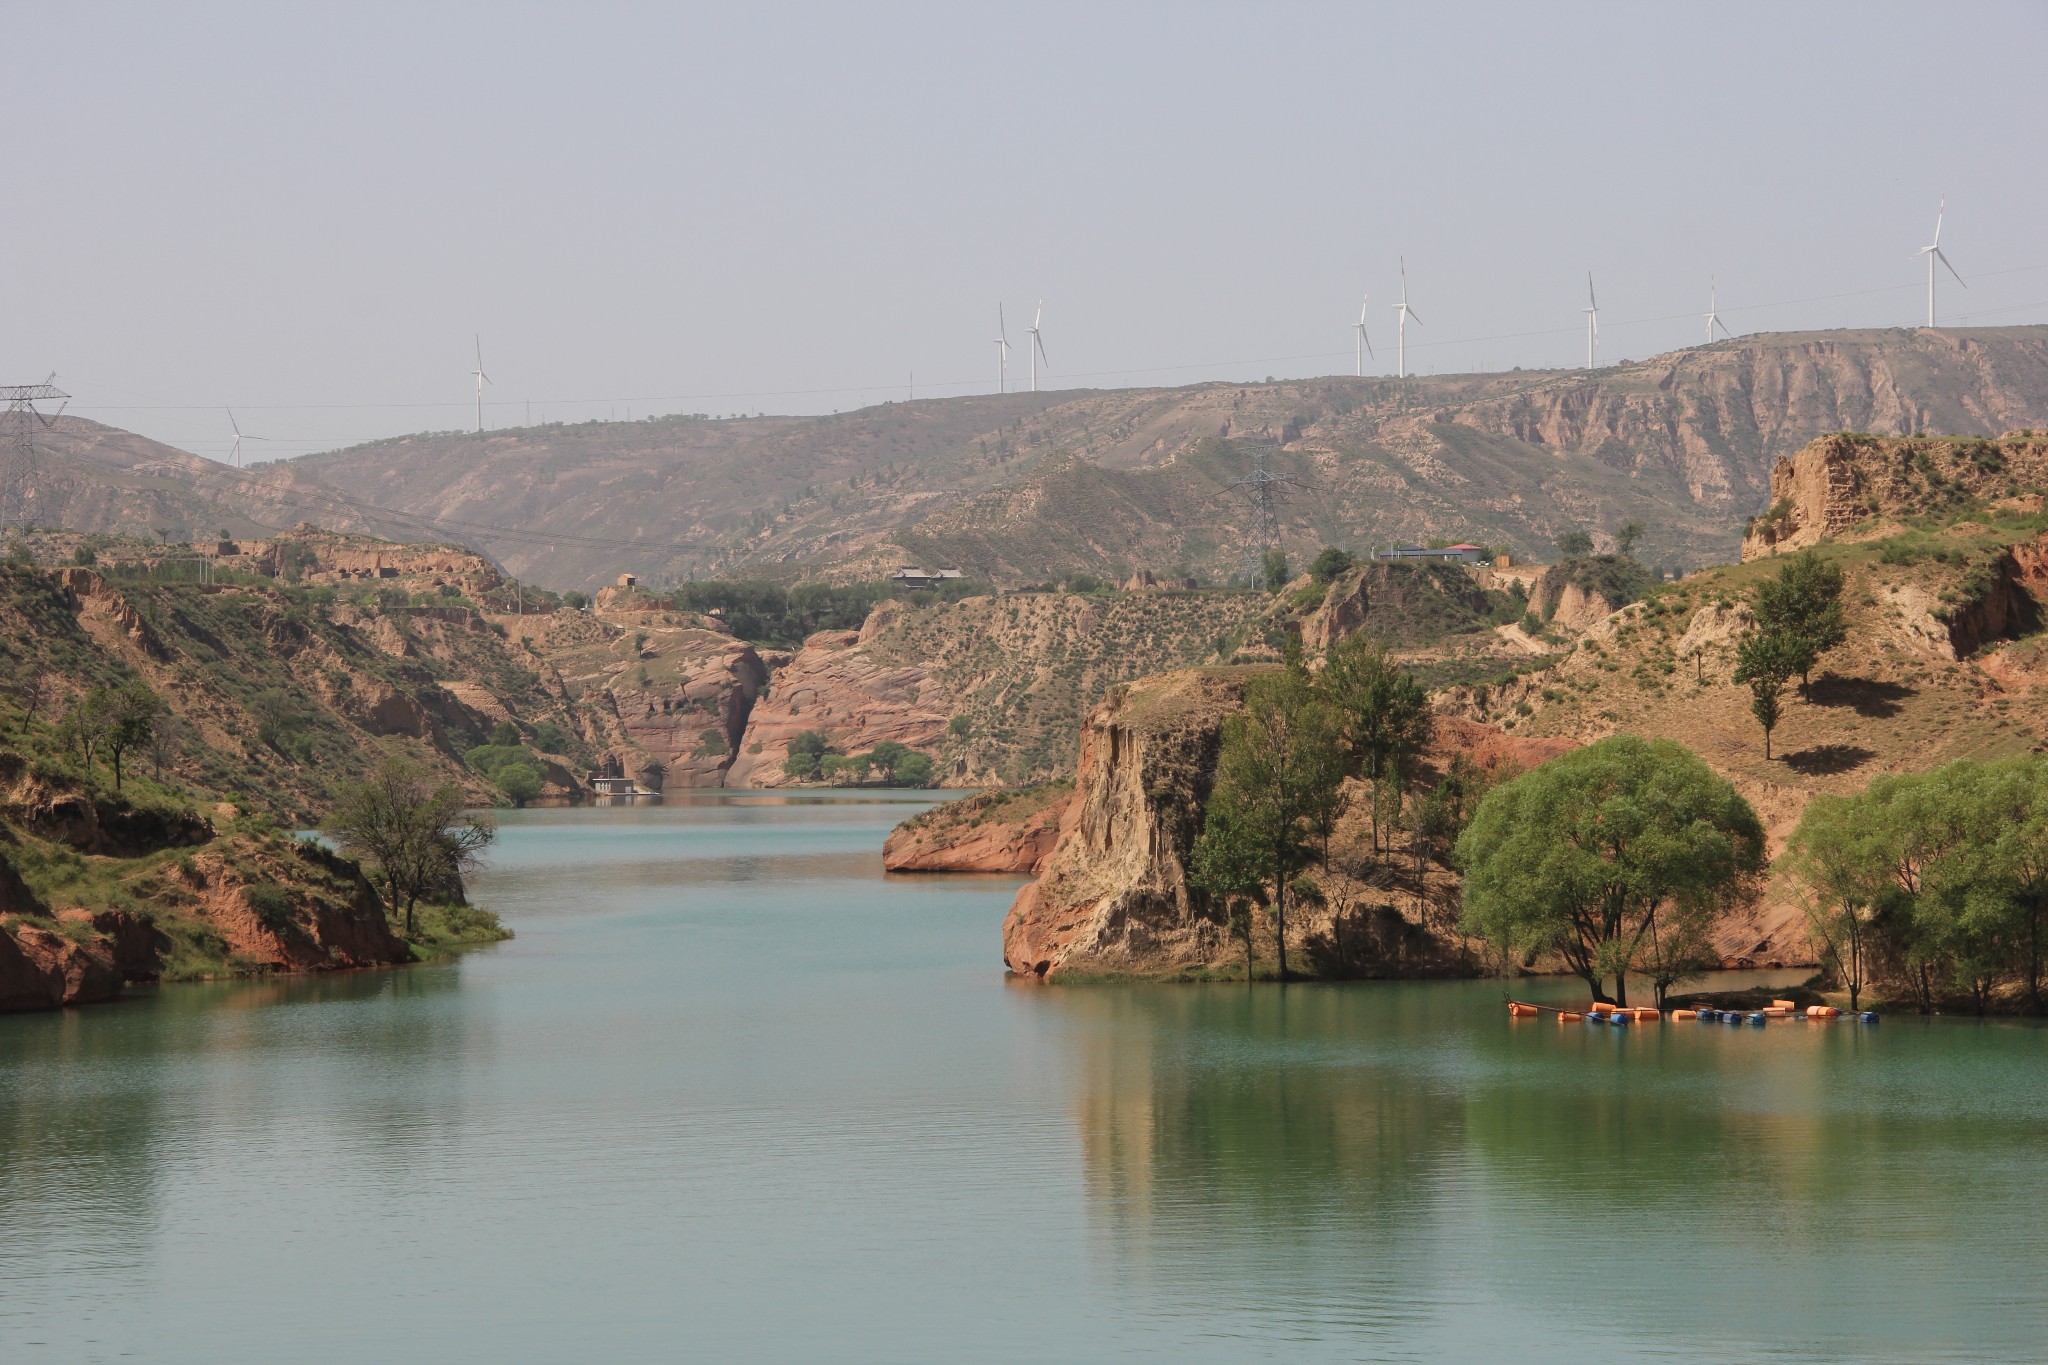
994, 832
41, 969
842, 692
1113, 896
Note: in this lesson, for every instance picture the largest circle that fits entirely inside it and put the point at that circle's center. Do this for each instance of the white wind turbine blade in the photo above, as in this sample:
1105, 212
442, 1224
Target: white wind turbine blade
1942, 256
1938, 212
1039, 342
1361, 309
1589, 292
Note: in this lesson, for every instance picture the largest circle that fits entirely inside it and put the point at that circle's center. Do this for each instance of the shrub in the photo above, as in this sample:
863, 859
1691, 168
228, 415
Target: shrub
272, 906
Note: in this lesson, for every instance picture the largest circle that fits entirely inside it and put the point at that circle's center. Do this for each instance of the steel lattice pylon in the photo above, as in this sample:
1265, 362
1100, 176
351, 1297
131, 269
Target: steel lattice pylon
1260, 490
20, 470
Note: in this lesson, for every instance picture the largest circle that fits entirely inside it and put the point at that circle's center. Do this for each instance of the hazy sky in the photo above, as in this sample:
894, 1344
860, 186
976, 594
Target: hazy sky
306, 211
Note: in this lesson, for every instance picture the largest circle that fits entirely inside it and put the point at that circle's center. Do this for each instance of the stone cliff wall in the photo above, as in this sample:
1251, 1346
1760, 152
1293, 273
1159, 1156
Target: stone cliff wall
1114, 896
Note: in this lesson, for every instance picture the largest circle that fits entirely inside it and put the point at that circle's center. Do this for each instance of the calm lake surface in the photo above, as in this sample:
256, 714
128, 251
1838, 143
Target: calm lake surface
732, 1094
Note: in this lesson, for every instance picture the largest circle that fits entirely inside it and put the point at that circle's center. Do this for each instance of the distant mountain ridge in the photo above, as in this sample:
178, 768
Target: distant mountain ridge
1024, 486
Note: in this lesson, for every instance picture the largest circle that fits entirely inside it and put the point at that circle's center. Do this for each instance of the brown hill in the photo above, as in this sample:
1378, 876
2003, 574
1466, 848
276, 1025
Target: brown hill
1022, 486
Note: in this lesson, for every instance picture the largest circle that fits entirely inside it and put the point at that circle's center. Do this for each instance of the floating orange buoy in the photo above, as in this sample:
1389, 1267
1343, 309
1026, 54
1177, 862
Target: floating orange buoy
1822, 1012
1646, 1015
1599, 1007
1787, 1005
1519, 1010
1685, 1014
1778, 1012
1569, 1017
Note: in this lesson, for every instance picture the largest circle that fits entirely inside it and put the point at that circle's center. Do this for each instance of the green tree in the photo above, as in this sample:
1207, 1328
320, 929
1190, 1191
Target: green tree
887, 755
281, 720
1273, 569
914, 770
521, 780
84, 726
1384, 712
1574, 545
1801, 606
1628, 537
1282, 757
1225, 863
505, 732
414, 834
131, 718
806, 749
1764, 662
1838, 855
1593, 853
1331, 564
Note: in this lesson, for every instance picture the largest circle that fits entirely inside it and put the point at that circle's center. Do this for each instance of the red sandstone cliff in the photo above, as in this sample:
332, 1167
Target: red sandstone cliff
993, 832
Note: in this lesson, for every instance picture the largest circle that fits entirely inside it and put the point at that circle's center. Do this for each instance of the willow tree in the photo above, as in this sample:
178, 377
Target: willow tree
1617, 857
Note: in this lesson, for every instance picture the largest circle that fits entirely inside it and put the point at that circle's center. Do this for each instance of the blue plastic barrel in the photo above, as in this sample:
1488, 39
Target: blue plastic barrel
1708, 1016
1757, 1019
1620, 1019
1868, 1016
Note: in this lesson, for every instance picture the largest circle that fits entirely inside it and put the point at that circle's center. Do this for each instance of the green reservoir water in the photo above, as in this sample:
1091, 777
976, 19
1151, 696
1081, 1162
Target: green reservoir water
732, 1094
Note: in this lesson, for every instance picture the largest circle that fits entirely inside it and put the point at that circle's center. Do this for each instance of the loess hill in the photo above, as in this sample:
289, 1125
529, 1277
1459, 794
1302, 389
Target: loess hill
1020, 487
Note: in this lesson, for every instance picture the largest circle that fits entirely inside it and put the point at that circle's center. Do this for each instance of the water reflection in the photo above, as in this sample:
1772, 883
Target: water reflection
1404, 1151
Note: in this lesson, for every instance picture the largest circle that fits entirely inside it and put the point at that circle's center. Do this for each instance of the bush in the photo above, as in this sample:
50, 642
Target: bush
521, 781
272, 906
551, 738
1331, 564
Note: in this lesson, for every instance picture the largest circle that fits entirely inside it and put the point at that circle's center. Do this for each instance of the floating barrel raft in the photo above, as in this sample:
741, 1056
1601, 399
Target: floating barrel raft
1602, 1012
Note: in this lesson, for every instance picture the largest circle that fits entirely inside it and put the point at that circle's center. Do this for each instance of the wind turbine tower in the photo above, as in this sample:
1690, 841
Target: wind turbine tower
1405, 312
1713, 314
1002, 353
236, 453
1933, 252
1592, 321
1364, 347
1037, 346
481, 380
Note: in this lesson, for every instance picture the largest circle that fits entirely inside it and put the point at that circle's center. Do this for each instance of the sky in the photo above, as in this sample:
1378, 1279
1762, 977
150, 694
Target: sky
308, 212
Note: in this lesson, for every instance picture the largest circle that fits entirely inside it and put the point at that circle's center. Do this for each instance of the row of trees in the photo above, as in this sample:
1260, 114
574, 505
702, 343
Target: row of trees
1932, 884
894, 764
1280, 777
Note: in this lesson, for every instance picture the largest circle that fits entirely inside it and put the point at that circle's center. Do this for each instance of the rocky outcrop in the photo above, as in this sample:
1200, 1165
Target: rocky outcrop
42, 969
1114, 895
1822, 491
855, 699
993, 832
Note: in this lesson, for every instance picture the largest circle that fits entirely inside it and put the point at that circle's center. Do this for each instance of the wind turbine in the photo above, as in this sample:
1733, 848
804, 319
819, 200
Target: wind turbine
1037, 346
1002, 352
1713, 314
1592, 321
1933, 252
1401, 346
236, 454
481, 380
1364, 347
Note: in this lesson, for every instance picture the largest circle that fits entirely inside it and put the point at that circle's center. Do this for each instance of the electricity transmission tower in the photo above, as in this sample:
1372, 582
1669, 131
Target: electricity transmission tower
19, 468
1260, 490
